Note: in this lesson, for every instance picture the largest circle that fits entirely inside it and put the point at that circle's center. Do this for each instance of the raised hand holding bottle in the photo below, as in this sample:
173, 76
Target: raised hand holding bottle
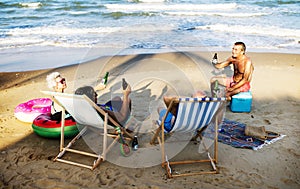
215, 59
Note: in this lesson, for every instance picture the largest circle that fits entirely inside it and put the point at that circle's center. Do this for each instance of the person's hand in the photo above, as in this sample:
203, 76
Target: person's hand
229, 89
127, 91
99, 87
214, 61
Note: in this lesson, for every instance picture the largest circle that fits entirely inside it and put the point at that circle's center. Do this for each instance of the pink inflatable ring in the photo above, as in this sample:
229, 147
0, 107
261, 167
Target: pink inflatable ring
28, 111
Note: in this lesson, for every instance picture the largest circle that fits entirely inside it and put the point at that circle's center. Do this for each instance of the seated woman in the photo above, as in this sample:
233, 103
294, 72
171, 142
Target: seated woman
117, 108
171, 117
56, 82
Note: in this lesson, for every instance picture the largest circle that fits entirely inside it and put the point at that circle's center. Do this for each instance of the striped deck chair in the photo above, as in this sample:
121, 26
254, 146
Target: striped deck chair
193, 115
86, 114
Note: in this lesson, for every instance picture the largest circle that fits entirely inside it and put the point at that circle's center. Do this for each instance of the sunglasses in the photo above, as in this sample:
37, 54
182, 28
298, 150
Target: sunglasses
62, 81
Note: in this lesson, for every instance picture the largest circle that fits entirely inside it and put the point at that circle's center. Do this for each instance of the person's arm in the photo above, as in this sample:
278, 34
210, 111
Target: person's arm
246, 77
223, 64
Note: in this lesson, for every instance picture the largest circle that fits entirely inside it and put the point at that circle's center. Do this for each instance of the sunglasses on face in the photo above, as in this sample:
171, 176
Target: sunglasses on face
63, 80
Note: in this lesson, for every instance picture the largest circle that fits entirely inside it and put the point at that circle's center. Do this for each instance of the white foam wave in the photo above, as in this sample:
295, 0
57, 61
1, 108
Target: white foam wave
28, 41
169, 7
53, 36
260, 30
17, 41
79, 12
59, 31
148, 1
69, 37
226, 14
31, 5
65, 31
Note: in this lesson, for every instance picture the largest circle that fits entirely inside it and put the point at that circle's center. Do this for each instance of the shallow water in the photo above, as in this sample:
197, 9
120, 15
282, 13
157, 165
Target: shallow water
49, 33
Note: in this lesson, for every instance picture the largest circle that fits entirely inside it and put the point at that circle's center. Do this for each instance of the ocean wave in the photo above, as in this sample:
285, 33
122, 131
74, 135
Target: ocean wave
14, 42
260, 30
147, 1
18, 42
169, 7
117, 14
57, 30
80, 13
31, 5
74, 37
147, 45
225, 14
75, 7
276, 3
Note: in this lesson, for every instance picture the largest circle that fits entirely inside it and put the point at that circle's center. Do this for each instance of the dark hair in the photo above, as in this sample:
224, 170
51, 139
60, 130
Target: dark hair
242, 44
86, 90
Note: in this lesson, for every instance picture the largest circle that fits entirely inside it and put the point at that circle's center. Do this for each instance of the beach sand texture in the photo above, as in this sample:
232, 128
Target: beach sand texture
26, 158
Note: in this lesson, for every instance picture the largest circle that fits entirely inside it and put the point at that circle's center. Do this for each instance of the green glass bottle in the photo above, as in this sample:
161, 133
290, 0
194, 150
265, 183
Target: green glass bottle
216, 89
105, 78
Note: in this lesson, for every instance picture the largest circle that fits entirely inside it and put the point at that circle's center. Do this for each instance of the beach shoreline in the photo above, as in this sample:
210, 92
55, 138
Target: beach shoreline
26, 159
33, 58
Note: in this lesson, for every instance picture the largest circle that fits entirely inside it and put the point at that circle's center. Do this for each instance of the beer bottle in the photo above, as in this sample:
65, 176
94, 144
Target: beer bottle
105, 78
216, 89
215, 59
135, 143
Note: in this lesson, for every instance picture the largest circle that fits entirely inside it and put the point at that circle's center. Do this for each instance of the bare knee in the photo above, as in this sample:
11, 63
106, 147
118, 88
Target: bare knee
117, 98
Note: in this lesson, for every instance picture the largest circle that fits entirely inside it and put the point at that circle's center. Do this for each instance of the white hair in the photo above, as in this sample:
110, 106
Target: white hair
51, 79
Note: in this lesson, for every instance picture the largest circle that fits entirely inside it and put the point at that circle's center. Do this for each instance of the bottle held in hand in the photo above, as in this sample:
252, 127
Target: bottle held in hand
105, 78
215, 59
124, 84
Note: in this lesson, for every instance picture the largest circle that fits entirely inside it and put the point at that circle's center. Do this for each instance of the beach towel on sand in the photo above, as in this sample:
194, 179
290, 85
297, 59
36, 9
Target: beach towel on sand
233, 134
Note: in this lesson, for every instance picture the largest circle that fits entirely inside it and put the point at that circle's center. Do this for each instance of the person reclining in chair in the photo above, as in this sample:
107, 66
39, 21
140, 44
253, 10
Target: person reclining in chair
118, 109
171, 117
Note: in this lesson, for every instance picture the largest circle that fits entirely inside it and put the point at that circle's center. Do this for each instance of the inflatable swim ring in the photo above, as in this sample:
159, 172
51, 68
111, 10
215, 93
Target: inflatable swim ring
29, 110
44, 126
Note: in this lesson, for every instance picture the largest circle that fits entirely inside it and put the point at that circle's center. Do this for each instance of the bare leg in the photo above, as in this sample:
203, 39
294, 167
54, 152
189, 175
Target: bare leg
231, 93
123, 107
167, 100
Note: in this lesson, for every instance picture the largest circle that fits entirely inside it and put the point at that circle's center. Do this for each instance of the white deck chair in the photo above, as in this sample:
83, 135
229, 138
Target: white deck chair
85, 113
193, 115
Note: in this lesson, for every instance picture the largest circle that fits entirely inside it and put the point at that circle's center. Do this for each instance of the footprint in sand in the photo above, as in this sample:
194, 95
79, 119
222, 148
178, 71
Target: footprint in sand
267, 121
44, 183
110, 175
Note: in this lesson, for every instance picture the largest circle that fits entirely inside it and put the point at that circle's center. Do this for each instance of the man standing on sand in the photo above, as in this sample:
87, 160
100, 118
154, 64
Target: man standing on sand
242, 74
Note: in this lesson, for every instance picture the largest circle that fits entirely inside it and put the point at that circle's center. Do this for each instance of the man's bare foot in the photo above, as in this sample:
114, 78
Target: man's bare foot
228, 98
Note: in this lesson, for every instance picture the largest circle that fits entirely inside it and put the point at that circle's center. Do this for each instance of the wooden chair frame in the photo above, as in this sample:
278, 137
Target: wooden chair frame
67, 148
166, 164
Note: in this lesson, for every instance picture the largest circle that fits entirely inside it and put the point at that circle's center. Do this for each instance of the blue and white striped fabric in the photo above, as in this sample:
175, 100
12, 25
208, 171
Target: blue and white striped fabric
195, 113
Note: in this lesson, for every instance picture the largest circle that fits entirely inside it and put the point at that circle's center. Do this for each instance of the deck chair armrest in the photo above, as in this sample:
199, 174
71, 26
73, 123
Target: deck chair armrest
205, 99
102, 112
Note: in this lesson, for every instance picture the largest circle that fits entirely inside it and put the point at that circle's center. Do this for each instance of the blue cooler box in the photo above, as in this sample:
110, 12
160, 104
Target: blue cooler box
241, 102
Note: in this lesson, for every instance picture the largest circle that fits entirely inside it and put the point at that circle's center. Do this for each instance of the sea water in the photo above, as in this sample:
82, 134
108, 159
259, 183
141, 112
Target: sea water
37, 34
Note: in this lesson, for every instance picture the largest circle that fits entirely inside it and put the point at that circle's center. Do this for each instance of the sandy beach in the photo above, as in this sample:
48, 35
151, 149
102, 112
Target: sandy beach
26, 159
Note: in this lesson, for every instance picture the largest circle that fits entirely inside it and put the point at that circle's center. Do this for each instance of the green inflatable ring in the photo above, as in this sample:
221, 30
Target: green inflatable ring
69, 131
